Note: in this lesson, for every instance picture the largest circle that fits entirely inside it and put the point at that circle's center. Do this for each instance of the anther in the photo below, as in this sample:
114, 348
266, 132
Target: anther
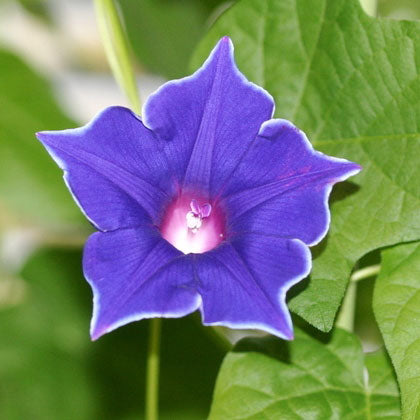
197, 214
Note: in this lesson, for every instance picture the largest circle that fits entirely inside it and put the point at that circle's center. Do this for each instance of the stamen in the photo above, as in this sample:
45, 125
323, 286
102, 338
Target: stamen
197, 214
193, 221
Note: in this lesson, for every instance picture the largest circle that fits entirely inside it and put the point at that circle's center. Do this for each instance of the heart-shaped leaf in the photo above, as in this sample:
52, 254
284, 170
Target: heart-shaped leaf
397, 309
270, 379
351, 82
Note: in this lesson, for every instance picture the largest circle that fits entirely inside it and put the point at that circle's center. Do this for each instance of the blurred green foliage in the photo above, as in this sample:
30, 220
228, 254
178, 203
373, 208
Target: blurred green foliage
49, 369
163, 33
32, 191
38, 8
44, 345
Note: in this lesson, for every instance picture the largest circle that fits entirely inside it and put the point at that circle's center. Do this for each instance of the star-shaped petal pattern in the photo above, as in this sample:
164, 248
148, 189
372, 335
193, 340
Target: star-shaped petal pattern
203, 203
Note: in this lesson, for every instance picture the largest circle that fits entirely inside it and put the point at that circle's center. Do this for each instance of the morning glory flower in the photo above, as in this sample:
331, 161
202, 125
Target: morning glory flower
205, 202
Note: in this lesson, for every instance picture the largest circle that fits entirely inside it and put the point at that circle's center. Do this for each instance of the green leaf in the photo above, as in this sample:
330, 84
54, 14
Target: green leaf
49, 368
351, 82
32, 191
164, 33
38, 8
43, 345
305, 379
397, 309
190, 360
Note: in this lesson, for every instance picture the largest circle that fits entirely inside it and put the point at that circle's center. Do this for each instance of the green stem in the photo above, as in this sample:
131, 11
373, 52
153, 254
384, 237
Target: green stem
117, 49
345, 318
365, 272
152, 385
371, 7
220, 338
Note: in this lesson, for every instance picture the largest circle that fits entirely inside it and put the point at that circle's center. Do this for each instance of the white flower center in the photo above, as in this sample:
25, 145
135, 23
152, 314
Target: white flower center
192, 227
197, 214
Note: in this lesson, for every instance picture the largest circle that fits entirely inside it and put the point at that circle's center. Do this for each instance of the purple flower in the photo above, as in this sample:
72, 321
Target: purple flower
206, 203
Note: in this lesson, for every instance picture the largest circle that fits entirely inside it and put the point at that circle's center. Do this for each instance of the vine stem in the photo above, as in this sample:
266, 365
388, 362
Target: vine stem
371, 7
152, 385
345, 318
365, 273
117, 49
118, 54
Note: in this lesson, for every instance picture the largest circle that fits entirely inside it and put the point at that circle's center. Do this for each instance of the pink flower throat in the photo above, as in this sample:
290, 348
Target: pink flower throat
193, 226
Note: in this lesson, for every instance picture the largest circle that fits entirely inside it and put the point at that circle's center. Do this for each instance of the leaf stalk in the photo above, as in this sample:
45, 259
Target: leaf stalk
345, 318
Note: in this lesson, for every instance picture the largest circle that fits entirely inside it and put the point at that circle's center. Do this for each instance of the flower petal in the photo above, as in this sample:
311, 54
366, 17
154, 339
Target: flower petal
208, 120
281, 187
113, 167
135, 274
244, 284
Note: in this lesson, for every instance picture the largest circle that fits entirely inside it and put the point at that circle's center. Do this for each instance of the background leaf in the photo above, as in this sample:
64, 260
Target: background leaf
32, 191
174, 25
43, 347
351, 82
37, 8
397, 310
268, 378
49, 368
